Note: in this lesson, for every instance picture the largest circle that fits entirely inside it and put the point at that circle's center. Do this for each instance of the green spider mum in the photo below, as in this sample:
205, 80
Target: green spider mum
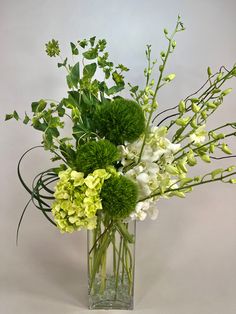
96, 155
119, 196
119, 121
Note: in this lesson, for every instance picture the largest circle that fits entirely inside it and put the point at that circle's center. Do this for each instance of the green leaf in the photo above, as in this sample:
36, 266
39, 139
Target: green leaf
12, 115
90, 54
117, 78
114, 89
83, 43
92, 40
63, 64
38, 106
134, 89
74, 49
75, 75
8, 117
61, 111
89, 70
26, 119
69, 81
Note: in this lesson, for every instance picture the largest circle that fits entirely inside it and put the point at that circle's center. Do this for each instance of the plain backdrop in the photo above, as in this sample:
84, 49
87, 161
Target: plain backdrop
185, 261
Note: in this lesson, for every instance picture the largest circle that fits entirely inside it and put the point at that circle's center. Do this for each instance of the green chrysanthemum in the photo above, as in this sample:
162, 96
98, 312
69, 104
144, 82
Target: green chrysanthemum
77, 199
120, 120
119, 196
96, 155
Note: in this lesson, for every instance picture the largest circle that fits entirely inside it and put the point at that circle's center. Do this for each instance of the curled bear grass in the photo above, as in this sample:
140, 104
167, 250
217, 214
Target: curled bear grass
120, 120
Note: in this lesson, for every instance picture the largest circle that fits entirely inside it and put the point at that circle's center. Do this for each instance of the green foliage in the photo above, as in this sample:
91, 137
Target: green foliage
96, 155
120, 120
119, 196
13, 115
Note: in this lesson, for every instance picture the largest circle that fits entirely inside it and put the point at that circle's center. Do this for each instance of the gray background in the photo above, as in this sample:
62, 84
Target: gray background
185, 261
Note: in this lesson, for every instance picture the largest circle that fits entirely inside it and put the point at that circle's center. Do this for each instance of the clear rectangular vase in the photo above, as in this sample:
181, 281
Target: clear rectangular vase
111, 262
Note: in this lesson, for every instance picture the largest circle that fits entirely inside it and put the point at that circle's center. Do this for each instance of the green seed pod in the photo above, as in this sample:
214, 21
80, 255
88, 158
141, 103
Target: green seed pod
161, 67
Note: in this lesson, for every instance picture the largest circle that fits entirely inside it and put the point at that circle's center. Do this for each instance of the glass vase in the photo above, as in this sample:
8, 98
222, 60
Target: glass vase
111, 261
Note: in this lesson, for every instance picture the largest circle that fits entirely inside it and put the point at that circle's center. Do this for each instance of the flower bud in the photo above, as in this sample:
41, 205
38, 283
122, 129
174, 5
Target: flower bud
169, 78
209, 72
205, 158
165, 31
211, 105
226, 91
195, 108
233, 181
193, 124
182, 107
161, 67
216, 91
173, 44
212, 148
219, 76
204, 115
226, 149
172, 170
194, 100
182, 121
163, 54
191, 159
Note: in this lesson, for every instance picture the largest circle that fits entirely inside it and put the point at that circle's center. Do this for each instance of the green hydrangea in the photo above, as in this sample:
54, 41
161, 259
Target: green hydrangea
96, 155
119, 196
77, 199
120, 120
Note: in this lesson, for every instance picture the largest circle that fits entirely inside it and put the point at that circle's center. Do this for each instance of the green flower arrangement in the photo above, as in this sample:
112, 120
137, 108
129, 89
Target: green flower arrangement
123, 154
